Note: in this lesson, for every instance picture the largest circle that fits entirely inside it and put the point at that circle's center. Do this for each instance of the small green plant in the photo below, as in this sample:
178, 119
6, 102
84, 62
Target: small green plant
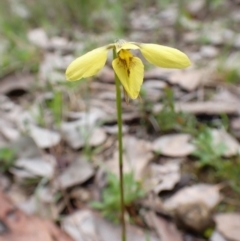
211, 155
110, 206
230, 171
7, 158
208, 153
56, 107
169, 119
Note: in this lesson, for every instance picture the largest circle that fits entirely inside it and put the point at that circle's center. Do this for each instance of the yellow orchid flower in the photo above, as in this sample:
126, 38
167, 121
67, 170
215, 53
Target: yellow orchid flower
129, 69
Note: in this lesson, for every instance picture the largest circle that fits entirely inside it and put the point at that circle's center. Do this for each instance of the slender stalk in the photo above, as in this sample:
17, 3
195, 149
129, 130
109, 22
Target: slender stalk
120, 149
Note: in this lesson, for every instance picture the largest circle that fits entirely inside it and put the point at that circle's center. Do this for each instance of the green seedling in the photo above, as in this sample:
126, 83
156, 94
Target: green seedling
56, 107
170, 119
211, 155
7, 158
208, 153
110, 206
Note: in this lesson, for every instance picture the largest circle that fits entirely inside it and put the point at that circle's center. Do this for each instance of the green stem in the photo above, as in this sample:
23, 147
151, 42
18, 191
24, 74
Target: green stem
120, 149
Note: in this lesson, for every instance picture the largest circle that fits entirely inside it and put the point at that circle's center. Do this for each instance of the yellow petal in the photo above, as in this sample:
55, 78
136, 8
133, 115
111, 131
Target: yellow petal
125, 45
132, 77
88, 64
165, 57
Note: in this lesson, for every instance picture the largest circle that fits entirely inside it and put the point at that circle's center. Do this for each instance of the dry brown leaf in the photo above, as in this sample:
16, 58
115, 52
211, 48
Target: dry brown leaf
166, 230
17, 226
153, 89
84, 130
196, 216
203, 107
44, 138
106, 74
158, 73
8, 130
216, 236
194, 194
36, 167
173, 145
228, 224
9, 109
38, 37
98, 137
113, 129
163, 177
190, 79
85, 225
137, 154
25, 147
195, 6
16, 82
191, 208
209, 51
230, 144
78, 172
3, 141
